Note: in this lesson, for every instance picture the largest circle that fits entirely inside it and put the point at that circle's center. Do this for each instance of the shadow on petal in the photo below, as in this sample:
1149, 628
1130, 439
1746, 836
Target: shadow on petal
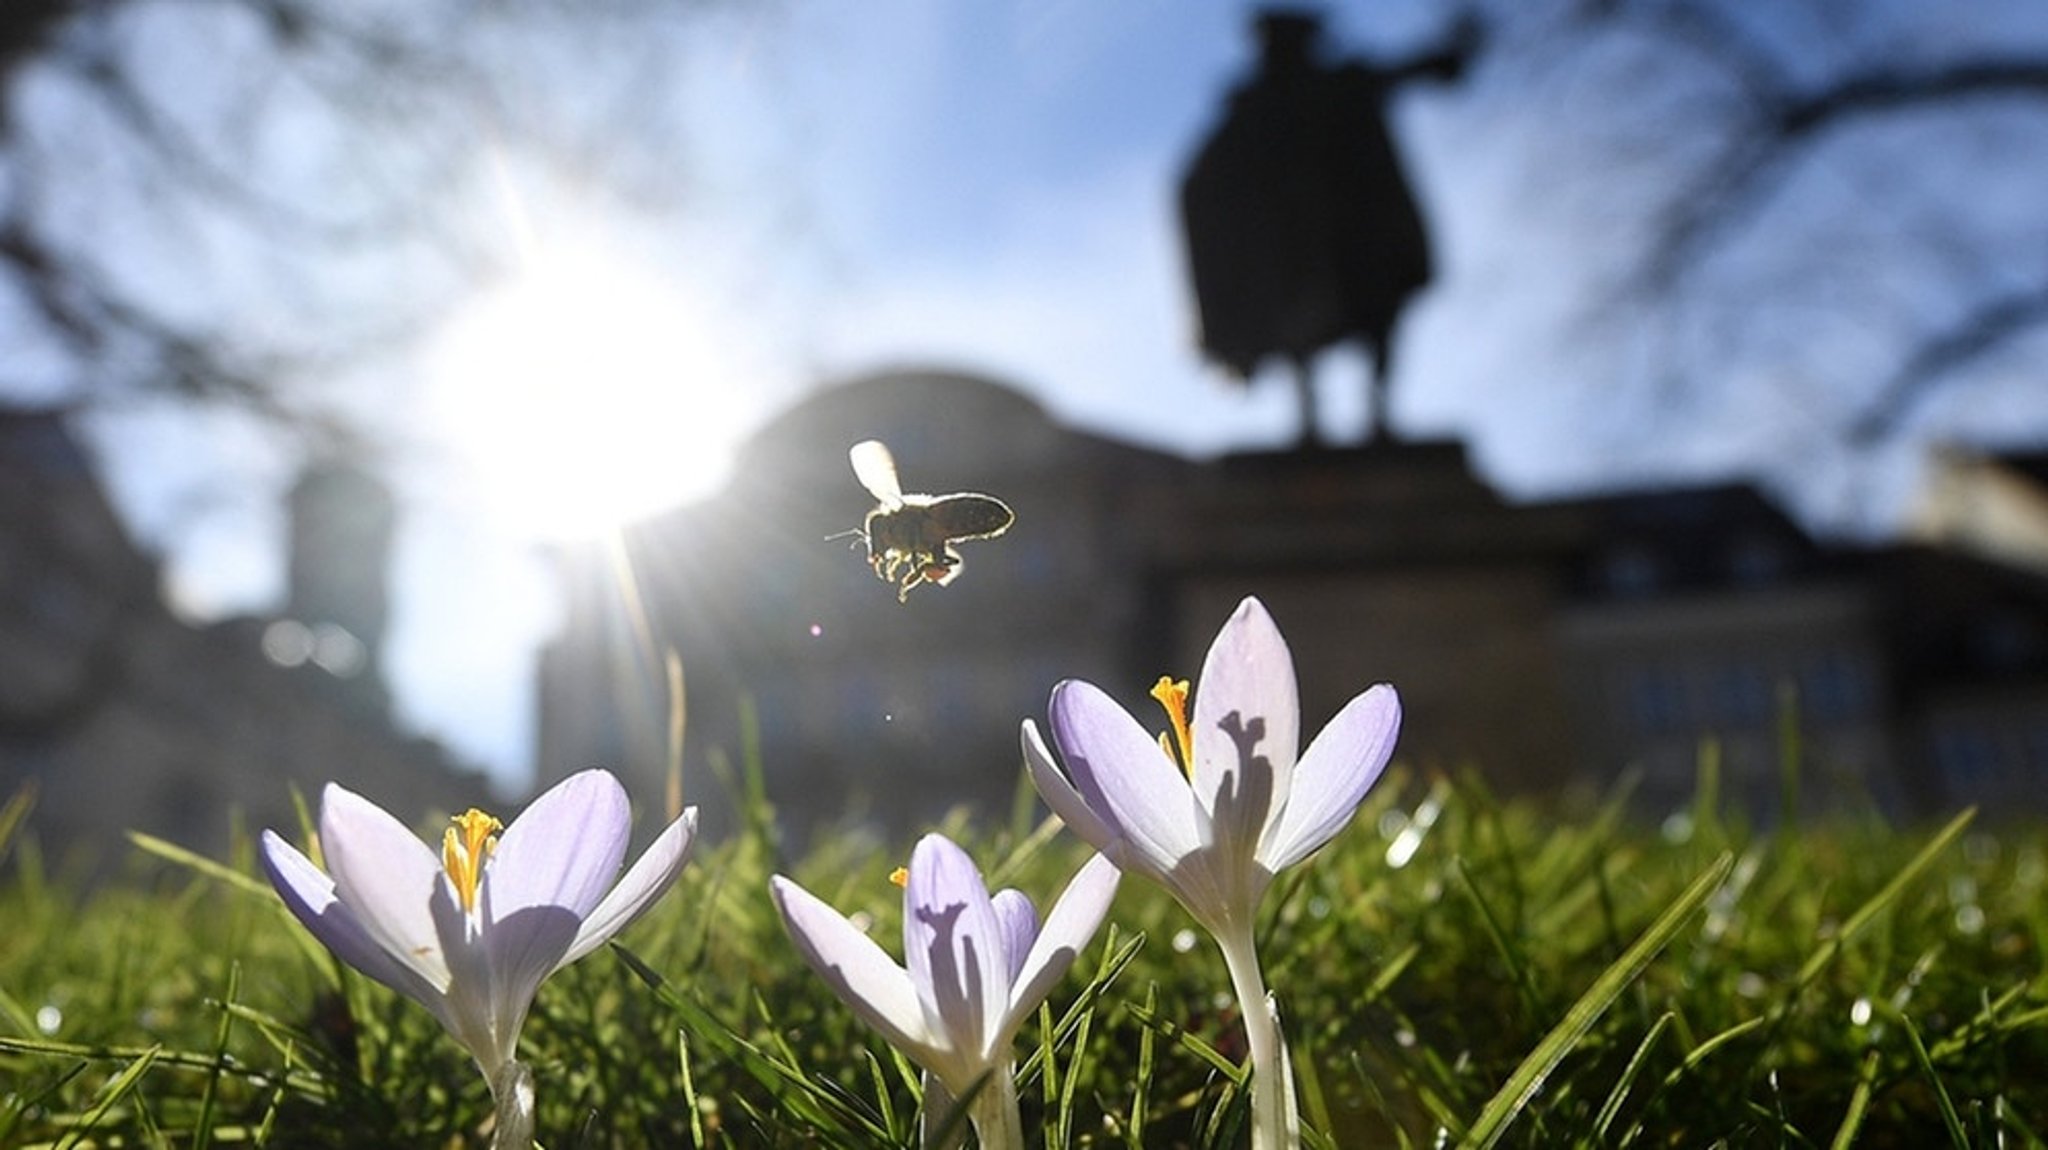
957, 966
523, 948
1243, 803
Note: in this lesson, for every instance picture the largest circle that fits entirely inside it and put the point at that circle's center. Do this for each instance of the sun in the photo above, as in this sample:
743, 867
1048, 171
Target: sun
588, 391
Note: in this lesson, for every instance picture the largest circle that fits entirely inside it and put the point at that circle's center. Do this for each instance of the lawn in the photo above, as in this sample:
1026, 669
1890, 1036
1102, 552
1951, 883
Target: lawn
1453, 969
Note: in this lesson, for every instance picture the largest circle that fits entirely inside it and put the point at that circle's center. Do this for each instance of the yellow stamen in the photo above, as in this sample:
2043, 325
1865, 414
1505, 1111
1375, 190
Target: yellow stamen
464, 848
1172, 694
900, 876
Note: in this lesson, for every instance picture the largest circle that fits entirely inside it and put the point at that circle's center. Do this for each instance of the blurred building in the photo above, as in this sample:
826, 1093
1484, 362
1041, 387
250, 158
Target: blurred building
1995, 506
1546, 645
122, 716
865, 706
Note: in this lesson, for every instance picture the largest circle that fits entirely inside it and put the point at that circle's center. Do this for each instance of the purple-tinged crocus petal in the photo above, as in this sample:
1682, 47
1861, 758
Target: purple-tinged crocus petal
1124, 775
387, 876
1339, 767
956, 1009
473, 1009
1069, 804
857, 970
309, 894
1071, 922
1018, 920
1246, 725
472, 930
953, 944
646, 881
1253, 809
519, 951
550, 867
564, 849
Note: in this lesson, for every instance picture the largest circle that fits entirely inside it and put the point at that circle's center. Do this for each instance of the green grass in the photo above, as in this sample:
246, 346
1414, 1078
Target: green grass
1526, 977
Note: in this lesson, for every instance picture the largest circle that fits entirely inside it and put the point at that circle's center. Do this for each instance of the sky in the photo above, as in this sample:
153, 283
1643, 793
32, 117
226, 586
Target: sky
987, 186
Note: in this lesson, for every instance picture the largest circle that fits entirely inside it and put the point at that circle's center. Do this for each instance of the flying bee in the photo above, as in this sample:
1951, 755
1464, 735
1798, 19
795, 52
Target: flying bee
910, 538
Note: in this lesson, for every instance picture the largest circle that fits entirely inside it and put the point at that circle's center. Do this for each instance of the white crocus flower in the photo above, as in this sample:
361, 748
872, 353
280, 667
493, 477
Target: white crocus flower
472, 933
978, 967
1214, 808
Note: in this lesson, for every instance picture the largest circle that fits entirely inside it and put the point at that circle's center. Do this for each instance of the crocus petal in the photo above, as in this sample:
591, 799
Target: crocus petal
1018, 920
1246, 725
650, 877
521, 949
1124, 776
856, 969
1069, 925
1066, 802
952, 941
1342, 763
387, 876
472, 1009
309, 894
564, 849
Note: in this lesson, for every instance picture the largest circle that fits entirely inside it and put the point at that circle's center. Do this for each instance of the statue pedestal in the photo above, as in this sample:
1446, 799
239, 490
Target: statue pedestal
1386, 562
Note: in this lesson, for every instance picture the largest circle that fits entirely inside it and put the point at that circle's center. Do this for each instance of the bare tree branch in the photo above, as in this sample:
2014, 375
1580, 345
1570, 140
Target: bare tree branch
1763, 154
1777, 101
1887, 90
1985, 330
396, 101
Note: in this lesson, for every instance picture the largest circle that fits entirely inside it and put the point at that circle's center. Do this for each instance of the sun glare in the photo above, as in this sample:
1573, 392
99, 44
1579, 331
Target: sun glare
586, 393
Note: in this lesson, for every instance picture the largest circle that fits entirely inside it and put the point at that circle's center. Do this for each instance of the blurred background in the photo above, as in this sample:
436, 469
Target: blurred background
388, 385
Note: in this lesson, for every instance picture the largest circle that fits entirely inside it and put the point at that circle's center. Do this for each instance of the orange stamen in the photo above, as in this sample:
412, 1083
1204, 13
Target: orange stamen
464, 848
900, 876
1172, 694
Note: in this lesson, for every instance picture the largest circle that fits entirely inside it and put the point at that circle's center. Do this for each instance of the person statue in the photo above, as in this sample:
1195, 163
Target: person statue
1301, 229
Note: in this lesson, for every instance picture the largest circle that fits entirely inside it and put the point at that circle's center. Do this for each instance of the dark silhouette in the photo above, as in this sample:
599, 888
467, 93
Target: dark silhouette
1301, 229
344, 521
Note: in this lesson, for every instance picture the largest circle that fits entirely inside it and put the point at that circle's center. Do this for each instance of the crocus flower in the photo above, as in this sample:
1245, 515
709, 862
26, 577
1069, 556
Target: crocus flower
978, 966
472, 933
1212, 809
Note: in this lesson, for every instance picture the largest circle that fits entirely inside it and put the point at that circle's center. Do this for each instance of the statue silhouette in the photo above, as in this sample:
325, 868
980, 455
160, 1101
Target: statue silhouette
1301, 229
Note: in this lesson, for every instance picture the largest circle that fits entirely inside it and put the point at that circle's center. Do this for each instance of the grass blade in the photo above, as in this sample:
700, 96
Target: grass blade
172, 852
1859, 1104
1855, 923
115, 1090
1622, 1085
1950, 1120
1527, 1079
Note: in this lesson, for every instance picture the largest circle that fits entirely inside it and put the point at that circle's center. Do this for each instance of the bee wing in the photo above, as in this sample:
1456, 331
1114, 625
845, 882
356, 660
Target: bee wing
876, 470
968, 515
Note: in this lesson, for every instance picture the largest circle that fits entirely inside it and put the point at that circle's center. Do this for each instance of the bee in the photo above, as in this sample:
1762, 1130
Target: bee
910, 538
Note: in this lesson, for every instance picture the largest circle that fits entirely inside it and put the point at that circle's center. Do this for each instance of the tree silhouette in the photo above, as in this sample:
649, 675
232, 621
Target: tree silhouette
231, 201
1864, 177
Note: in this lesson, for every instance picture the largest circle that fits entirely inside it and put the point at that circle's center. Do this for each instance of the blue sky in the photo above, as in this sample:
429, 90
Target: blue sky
988, 186
991, 186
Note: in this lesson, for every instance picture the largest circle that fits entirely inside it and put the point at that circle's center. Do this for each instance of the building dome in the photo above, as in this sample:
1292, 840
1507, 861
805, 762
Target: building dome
937, 421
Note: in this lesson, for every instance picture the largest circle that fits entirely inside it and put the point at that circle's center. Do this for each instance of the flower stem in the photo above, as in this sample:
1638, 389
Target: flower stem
512, 1090
1275, 1123
994, 1113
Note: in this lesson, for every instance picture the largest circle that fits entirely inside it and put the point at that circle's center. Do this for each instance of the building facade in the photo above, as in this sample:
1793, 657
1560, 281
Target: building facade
121, 716
1546, 646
